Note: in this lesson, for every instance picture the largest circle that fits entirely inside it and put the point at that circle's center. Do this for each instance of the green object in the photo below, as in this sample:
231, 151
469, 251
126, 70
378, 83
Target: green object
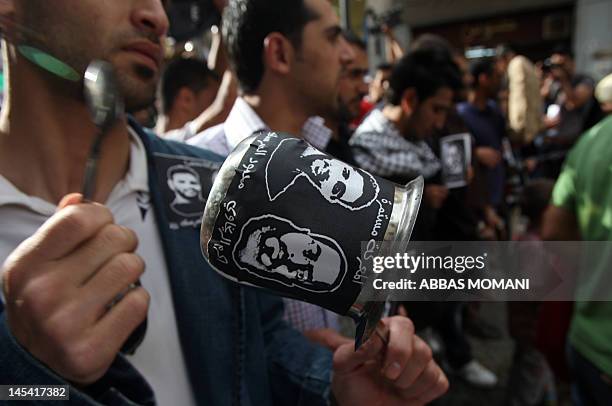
49, 63
584, 189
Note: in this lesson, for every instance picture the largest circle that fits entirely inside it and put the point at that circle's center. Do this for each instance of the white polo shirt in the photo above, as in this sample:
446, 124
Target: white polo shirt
159, 358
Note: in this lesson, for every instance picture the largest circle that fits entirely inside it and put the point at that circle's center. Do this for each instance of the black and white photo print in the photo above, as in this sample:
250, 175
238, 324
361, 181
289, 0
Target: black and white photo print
337, 182
274, 248
292, 219
455, 155
184, 184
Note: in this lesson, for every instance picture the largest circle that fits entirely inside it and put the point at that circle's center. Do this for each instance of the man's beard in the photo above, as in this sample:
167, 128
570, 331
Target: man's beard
138, 93
343, 113
137, 86
303, 272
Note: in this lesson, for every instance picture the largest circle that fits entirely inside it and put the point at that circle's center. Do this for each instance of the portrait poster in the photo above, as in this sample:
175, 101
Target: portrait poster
456, 158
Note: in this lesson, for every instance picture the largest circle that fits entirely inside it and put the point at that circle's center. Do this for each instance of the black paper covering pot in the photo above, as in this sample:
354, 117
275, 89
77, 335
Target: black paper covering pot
291, 219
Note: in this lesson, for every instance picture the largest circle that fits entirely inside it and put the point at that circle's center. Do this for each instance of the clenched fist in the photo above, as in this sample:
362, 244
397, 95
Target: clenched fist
59, 285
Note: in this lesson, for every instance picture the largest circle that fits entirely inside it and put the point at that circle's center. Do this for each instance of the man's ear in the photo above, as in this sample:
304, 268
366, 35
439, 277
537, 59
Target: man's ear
7, 16
278, 53
7, 8
184, 98
409, 101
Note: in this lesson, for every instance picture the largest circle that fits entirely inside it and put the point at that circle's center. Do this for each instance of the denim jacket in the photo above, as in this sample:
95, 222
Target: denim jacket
237, 348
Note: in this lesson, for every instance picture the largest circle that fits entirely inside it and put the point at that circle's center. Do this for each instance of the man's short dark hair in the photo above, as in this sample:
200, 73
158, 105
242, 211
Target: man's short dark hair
425, 70
432, 41
354, 40
246, 23
484, 66
176, 169
182, 72
563, 49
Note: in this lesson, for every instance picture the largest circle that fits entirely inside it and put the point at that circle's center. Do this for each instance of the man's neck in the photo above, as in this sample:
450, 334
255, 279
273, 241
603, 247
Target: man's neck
334, 126
46, 135
478, 99
394, 115
169, 122
278, 111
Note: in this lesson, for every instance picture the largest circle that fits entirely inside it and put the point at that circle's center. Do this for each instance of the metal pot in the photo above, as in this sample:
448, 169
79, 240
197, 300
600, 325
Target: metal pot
289, 218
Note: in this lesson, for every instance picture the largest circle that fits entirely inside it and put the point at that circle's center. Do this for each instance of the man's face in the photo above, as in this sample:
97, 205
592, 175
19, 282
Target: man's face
353, 87
454, 160
337, 180
293, 255
564, 62
203, 99
127, 33
186, 185
492, 83
501, 64
319, 62
430, 115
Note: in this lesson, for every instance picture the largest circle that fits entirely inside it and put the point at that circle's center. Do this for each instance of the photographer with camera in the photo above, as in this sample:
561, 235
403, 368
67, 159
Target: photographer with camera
571, 108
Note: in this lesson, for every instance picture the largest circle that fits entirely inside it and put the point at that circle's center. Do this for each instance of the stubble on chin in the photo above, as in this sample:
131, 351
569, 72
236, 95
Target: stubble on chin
138, 88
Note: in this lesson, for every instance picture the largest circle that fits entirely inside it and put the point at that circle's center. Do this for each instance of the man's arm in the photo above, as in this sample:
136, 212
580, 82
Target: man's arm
300, 371
396, 370
122, 384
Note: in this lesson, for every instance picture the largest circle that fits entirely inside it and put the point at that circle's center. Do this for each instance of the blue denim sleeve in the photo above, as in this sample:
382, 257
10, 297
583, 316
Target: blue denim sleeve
300, 371
122, 385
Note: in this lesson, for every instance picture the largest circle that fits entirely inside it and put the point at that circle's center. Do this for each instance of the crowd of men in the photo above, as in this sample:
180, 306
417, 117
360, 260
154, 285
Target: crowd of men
74, 281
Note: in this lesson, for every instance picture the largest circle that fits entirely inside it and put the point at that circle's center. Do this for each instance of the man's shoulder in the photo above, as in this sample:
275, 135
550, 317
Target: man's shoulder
212, 139
156, 144
596, 139
377, 132
180, 134
463, 108
374, 123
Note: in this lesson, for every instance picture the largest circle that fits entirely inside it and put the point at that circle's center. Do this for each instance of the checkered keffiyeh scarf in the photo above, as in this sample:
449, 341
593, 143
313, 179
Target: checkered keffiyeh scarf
379, 148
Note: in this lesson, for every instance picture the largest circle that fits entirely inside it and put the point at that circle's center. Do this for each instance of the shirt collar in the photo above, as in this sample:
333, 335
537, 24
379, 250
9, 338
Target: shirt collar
242, 122
137, 177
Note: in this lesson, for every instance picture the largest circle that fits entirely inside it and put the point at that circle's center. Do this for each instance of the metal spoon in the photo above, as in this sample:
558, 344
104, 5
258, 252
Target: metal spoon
106, 107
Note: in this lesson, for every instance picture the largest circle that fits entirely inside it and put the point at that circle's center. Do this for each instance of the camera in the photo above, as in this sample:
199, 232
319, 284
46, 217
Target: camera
548, 65
390, 18
190, 18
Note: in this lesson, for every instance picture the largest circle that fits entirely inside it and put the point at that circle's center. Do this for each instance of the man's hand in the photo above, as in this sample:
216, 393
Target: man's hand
553, 122
492, 218
400, 373
435, 195
60, 282
327, 337
489, 157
